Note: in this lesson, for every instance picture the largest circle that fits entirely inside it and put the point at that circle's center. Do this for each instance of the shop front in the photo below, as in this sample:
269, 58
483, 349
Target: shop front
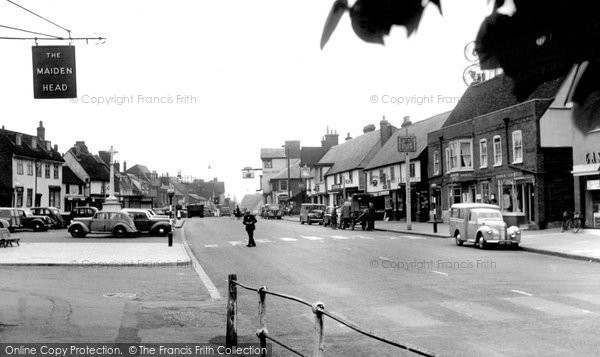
586, 175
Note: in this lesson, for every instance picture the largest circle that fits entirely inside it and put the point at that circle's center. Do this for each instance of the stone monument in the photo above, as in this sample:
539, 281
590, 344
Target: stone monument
111, 203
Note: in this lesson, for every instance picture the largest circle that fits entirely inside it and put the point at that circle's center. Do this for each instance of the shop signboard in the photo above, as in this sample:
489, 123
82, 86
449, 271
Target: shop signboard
593, 185
54, 72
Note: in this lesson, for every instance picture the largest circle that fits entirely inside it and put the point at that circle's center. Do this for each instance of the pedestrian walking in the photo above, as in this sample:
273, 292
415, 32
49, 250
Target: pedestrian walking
250, 221
237, 213
371, 217
334, 216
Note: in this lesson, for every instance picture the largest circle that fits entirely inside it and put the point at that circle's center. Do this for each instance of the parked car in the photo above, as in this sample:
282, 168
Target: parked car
53, 213
327, 215
36, 223
117, 223
146, 223
195, 210
81, 212
481, 224
224, 211
10, 218
311, 212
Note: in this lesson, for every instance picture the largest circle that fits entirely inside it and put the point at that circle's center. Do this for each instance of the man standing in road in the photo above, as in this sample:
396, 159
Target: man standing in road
249, 221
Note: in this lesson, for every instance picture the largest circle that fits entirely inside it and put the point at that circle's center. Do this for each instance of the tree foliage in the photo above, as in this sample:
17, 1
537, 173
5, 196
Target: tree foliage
533, 41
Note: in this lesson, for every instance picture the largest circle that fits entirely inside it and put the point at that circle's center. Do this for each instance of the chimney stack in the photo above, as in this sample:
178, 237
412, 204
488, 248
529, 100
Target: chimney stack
330, 139
369, 128
41, 132
55, 147
348, 137
386, 130
125, 167
406, 121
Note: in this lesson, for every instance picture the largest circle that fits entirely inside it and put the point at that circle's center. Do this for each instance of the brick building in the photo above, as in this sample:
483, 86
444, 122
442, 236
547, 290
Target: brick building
496, 149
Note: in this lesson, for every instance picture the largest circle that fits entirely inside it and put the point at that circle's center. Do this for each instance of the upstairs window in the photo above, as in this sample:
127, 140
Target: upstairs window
30, 168
20, 169
483, 156
460, 155
268, 164
517, 146
497, 151
436, 163
47, 170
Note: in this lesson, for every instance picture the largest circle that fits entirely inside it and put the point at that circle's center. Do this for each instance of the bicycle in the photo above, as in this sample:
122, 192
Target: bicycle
572, 222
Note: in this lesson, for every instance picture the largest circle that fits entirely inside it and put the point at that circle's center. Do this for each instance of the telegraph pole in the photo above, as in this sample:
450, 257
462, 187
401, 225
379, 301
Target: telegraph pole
407, 144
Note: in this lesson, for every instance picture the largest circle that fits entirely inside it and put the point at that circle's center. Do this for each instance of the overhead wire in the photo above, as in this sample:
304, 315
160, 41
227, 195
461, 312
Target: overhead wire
40, 16
31, 32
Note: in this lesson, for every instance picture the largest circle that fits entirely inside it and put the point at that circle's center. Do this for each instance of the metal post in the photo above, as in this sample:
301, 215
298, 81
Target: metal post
262, 311
319, 348
408, 204
231, 334
434, 224
287, 153
171, 239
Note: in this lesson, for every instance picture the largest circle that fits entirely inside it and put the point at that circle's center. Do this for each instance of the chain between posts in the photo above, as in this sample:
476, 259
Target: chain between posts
318, 310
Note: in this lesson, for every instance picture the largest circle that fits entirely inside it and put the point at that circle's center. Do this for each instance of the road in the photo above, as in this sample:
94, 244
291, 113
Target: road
425, 292
422, 291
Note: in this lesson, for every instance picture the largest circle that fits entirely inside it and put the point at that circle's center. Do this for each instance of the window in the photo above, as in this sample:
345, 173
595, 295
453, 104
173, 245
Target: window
268, 164
350, 179
80, 189
436, 163
517, 145
393, 174
483, 160
30, 168
38, 169
460, 154
497, 151
382, 176
320, 174
47, 170
19, 197
283, 185
54, 198
56, 171
485, 192
29, 198
447, 159
412, 171
19, 167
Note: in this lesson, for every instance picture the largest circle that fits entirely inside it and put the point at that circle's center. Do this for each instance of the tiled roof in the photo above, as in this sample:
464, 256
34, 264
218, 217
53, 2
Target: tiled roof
310, 156
495, 94
352, 154
25, 149
272, 153
69, 177
93, 165
389, 152
139, 170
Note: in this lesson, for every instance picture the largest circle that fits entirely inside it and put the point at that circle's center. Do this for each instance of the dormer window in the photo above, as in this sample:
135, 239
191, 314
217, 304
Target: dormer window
34, 143
18, 139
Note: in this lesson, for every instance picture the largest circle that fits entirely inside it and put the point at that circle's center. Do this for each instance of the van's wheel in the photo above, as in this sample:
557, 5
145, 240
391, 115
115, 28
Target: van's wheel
119, 232
457, 238
481, 242
37, 227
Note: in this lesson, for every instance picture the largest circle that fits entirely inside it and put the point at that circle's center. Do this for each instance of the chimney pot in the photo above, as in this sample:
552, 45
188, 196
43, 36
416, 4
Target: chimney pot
406, 122
369, 128
348, 137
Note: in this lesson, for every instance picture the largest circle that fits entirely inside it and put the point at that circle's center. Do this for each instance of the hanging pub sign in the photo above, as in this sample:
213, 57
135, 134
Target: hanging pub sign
54, 72
407, 144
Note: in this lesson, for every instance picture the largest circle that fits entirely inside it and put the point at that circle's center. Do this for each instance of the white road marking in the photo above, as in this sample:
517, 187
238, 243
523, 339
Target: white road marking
236, 242
521, 292
339, 237
312, 237
288, 239
212, 289
547, 306
263, 241
211, 246
440, 272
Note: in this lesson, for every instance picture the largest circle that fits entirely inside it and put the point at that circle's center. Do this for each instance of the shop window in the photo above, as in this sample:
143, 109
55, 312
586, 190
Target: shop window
517, 146
19, 197
497, 151
483, 156
455, 195
436, 163
485, 192
29, 199
283, 185
54, 198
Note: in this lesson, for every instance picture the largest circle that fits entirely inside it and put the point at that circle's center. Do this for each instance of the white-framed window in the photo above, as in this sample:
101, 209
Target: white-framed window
30, 168
436, 163
447, 159
497, 151
283, 184
393, 174
517, 146
460, 155
268, 164
483, 156
20, 169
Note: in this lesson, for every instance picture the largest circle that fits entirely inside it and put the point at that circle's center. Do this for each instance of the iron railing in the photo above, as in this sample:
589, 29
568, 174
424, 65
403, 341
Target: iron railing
318, 310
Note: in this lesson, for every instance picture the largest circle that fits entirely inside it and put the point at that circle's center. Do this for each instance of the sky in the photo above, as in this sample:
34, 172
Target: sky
189, 85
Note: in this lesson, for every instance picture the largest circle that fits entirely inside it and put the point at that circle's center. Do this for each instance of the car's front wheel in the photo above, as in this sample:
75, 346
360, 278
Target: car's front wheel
481, 243
38, 227
161, 231
119, 232
77, 232
457, 239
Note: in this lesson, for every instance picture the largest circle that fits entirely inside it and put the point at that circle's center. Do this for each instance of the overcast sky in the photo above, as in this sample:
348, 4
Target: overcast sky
252, 73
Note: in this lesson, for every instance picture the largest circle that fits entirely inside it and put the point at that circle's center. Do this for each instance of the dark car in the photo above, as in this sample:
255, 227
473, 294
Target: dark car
81, 212
147, 223
34, 222
195, 210
53, 213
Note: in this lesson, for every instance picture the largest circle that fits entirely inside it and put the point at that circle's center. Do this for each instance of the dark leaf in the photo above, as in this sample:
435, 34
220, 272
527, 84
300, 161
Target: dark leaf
337, 10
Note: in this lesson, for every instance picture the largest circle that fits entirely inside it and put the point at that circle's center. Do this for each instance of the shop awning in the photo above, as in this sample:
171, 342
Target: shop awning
585, 170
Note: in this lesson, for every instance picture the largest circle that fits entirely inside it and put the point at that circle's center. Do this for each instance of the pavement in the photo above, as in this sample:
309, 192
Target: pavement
584, 245
140, 252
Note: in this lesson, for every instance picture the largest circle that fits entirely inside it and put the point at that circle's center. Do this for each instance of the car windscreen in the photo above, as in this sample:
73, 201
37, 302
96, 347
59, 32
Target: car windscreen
489, 215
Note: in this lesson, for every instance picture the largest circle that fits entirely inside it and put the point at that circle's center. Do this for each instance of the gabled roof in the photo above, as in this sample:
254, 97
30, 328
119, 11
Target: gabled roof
93, 165
69, 177
294, 172
310, 155
139, 171
389, 152
352, 154
495, 94
272, 153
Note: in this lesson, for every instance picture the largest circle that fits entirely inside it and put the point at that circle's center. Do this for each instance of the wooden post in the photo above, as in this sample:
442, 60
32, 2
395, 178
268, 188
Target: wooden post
262, 319
319, 349
231, 334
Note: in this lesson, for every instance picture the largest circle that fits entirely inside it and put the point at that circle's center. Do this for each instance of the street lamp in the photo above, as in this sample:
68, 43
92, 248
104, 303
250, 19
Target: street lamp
171, 193
287, 155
